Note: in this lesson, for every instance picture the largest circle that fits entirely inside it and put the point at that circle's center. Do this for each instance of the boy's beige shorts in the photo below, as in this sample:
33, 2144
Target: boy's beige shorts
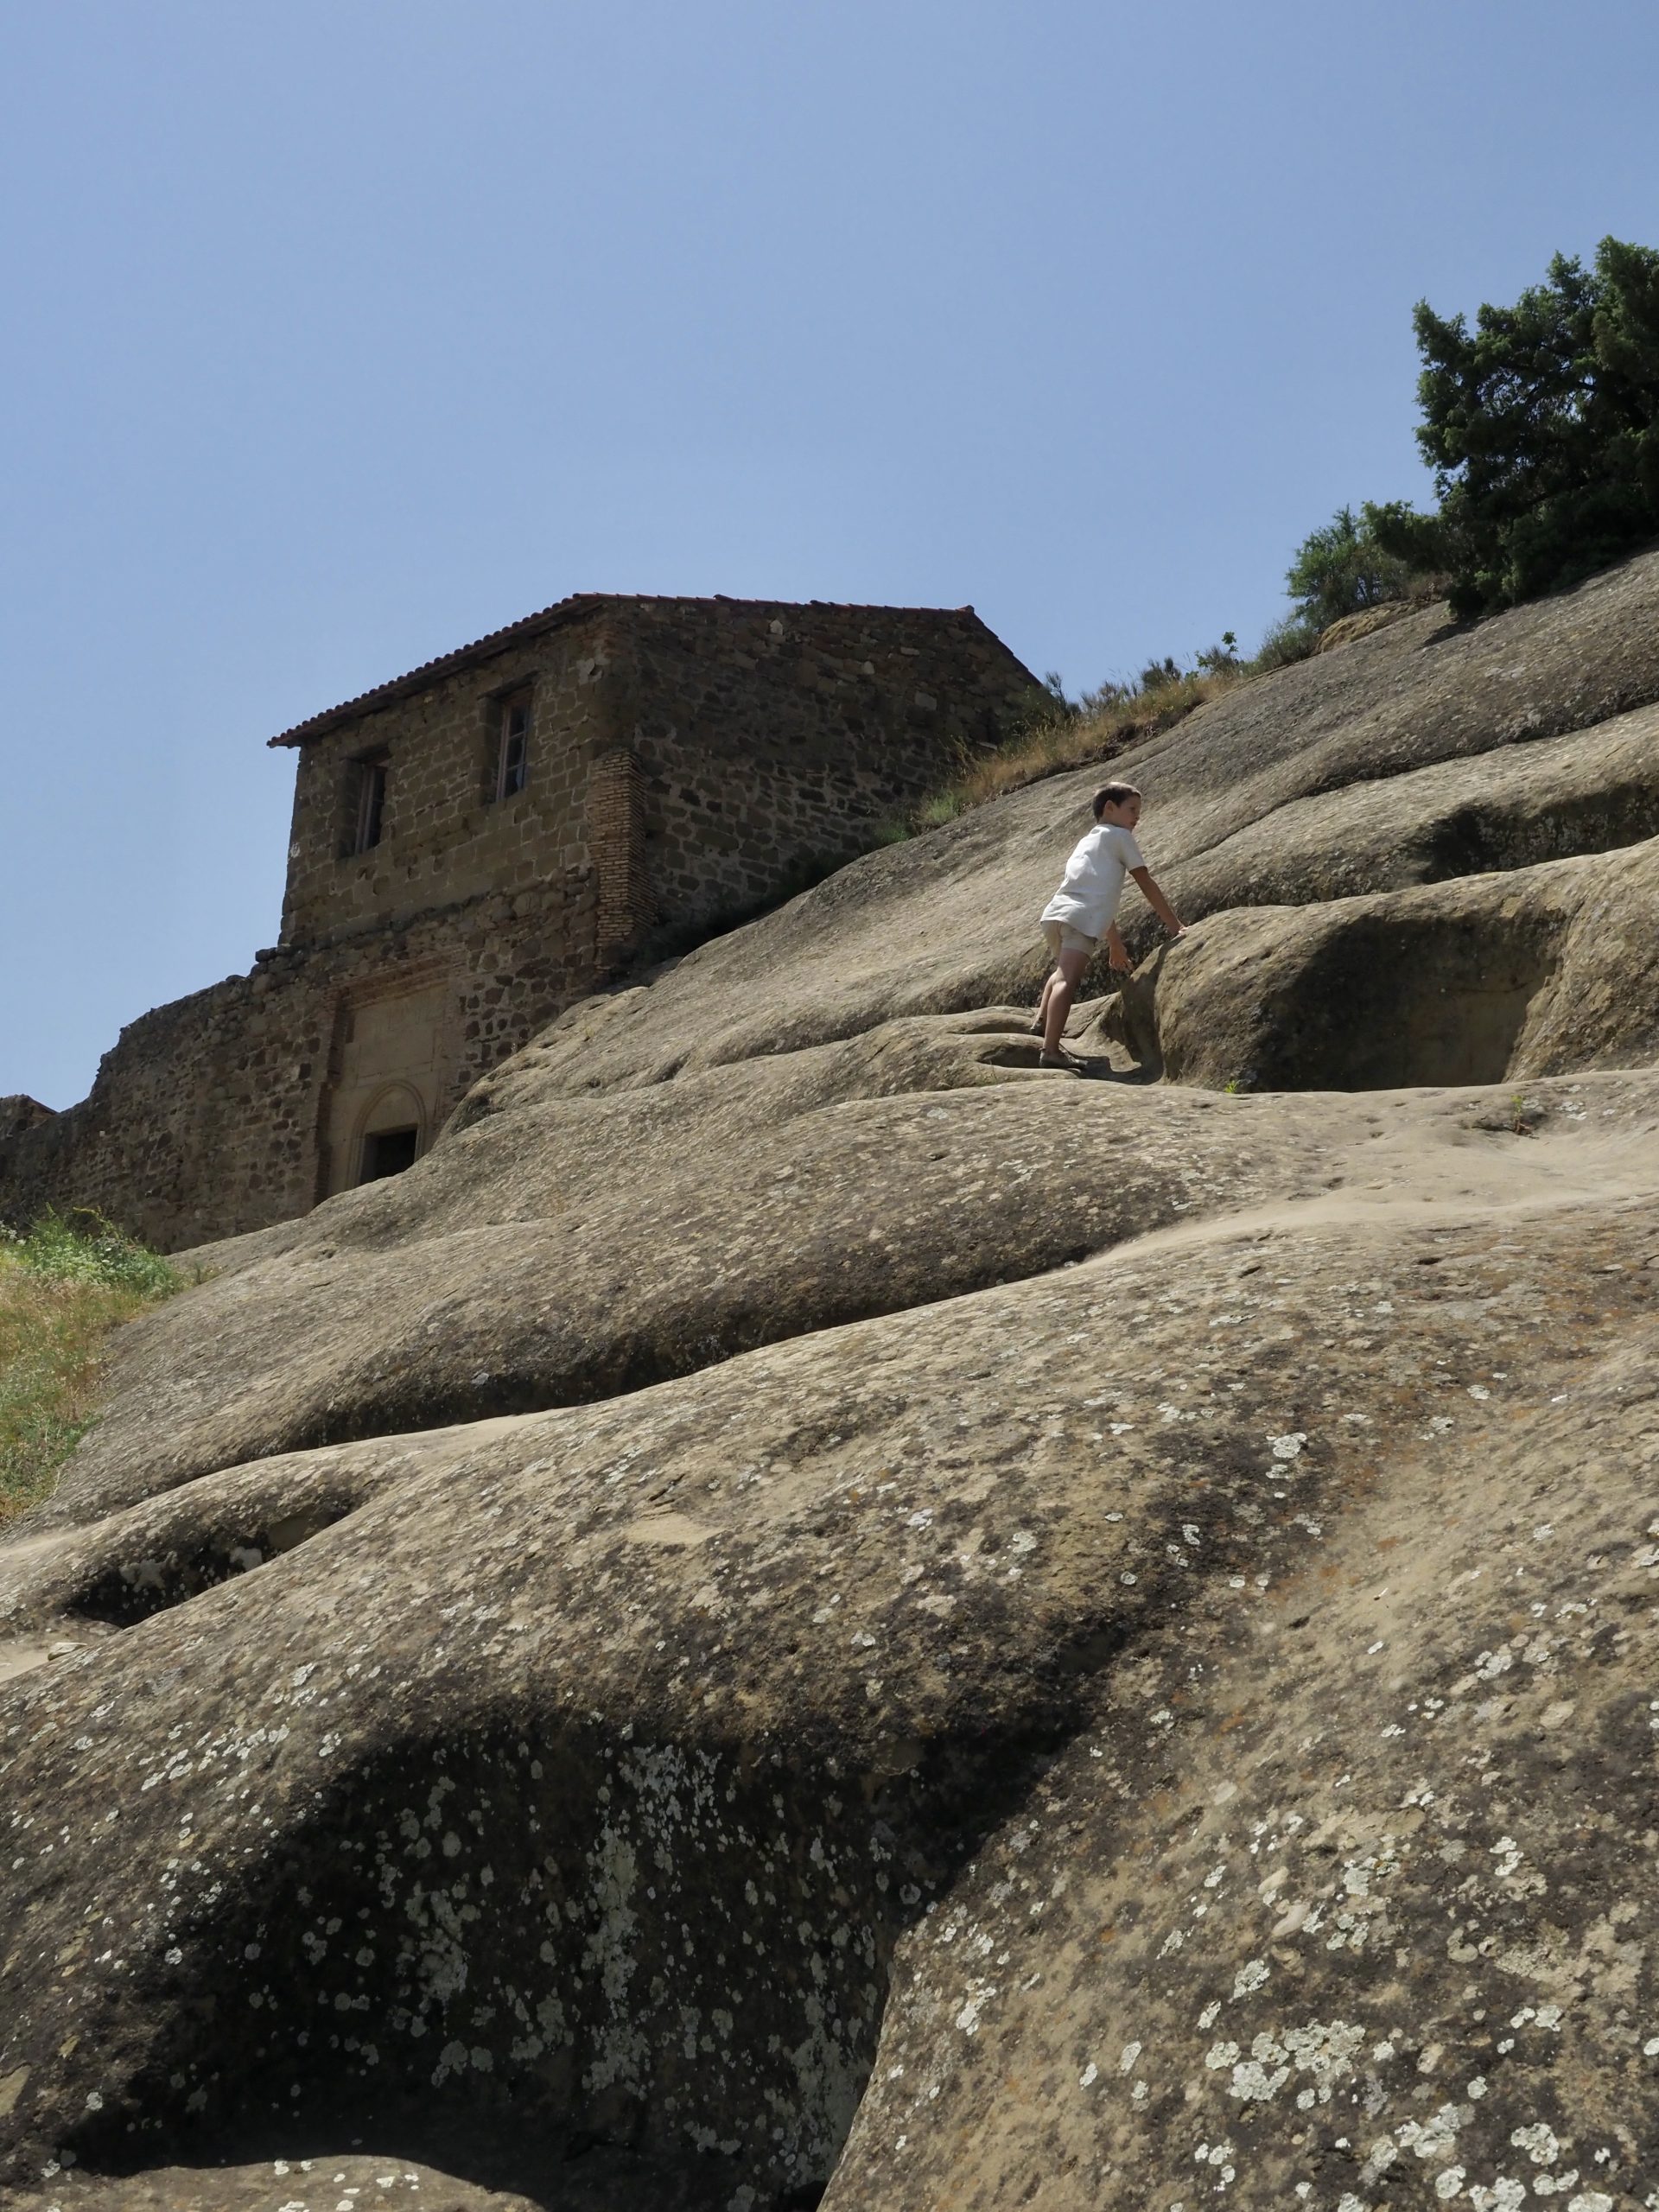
1060, 936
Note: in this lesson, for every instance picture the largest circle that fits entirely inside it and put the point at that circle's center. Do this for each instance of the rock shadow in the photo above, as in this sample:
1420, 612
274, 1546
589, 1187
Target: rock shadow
1487, 839
1397, 1000
123, 1590
593, 1971
1388, 997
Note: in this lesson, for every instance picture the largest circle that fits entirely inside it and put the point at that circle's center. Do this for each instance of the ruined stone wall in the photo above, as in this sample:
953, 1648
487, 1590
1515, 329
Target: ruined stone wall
202, 1120
239, 1106
773, 738
445, 837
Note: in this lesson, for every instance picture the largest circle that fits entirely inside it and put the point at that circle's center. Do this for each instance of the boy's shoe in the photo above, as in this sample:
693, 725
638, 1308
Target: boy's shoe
1059, 1060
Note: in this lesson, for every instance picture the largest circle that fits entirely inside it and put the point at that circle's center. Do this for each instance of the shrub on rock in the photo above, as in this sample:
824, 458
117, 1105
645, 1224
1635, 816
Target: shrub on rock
1542, 424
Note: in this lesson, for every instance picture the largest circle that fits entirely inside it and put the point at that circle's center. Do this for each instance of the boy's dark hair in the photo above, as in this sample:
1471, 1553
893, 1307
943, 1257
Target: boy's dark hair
1112, 795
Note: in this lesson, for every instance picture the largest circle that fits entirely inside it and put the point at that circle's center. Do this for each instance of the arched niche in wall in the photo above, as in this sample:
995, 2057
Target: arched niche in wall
391, 1133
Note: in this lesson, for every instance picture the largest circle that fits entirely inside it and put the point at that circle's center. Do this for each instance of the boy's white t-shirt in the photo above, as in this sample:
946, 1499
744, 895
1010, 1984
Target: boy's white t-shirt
1093, 882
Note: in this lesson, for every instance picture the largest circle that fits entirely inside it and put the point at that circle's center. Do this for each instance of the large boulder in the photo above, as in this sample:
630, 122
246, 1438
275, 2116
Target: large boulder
1482, 979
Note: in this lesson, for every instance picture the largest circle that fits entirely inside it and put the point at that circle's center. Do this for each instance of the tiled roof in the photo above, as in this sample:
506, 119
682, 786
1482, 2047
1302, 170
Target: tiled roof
547, 617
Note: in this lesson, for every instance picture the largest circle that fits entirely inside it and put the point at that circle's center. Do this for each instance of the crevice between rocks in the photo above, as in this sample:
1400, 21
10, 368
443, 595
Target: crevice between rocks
124, 1591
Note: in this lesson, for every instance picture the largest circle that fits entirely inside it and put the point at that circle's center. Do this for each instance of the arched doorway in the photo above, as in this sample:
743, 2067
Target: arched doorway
387, 1083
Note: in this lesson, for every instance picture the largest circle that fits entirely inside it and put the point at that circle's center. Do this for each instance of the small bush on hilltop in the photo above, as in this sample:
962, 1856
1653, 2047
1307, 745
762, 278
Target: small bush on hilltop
1342, 569
63, 1286
1292, 639
1159, 675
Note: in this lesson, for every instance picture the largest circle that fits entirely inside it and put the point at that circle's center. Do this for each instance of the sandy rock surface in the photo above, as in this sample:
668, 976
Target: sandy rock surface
804, 1610
317, 2183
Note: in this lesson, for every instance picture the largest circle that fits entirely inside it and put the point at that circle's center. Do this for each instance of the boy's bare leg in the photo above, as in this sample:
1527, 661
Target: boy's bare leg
1039, 1019
1058, 992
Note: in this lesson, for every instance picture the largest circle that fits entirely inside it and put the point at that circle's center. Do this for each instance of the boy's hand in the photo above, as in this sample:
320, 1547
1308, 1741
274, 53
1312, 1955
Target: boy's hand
1118, 956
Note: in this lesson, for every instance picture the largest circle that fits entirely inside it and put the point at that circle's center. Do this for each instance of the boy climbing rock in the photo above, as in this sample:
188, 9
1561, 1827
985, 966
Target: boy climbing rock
1085, 909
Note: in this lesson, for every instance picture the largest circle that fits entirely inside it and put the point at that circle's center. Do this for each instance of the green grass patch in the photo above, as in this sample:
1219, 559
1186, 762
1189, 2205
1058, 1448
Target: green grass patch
64, 1285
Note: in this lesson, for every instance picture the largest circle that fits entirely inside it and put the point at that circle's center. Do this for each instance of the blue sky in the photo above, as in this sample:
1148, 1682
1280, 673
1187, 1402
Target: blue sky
339, 334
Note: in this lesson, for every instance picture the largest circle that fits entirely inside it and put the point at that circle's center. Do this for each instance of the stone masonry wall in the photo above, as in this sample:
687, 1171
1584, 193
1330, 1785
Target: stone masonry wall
444, 836
768, 735
773, 737
617, 834
210, 1116
203, 1119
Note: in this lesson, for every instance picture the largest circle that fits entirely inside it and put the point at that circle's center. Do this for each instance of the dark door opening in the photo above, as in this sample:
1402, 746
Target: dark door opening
387, 1152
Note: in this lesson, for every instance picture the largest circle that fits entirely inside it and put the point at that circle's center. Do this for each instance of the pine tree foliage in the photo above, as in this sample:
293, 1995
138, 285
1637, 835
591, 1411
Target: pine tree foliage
1542, 425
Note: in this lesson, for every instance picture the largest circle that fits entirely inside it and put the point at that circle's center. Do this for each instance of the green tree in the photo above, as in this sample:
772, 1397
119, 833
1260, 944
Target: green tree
1541, 426
1341, 568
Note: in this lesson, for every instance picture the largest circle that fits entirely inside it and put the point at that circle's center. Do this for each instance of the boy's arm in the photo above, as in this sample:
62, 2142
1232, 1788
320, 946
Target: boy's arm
1159, 905
1117, 951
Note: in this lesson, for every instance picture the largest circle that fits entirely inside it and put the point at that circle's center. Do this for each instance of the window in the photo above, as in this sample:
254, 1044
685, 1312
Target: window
387, 1152
512, 752
371, 772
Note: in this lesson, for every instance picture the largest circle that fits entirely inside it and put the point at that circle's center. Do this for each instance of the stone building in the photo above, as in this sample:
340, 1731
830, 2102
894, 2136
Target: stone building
479, 843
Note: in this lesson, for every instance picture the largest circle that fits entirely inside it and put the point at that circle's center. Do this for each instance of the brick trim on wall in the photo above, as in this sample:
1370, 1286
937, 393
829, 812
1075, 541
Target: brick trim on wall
616, 838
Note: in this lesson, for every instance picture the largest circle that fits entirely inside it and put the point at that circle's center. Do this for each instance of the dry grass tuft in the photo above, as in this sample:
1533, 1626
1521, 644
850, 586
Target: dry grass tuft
1049, 746
62, 1289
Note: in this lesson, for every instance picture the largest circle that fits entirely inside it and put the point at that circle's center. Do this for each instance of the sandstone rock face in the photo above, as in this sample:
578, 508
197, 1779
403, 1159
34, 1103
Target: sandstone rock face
1479, 980
806, 1611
